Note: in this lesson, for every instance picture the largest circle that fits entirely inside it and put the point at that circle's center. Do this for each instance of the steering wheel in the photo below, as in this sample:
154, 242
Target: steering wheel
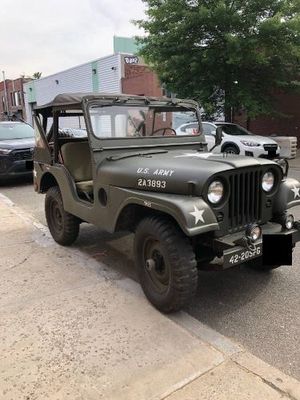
164, 131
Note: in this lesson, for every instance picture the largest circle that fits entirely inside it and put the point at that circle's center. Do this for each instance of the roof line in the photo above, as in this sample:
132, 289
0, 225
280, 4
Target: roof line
76, 66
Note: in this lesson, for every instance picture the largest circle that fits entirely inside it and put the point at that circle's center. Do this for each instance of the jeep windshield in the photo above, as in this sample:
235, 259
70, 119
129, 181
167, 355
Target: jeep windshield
122, 121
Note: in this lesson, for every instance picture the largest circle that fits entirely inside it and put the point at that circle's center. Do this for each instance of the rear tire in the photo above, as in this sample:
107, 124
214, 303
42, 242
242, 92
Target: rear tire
63, 226
166, 264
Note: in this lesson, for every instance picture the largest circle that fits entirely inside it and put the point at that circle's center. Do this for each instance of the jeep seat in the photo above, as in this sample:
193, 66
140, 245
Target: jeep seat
77, 159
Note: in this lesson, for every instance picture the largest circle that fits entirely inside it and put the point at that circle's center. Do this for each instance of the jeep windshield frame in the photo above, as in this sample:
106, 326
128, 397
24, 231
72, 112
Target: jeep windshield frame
110, 143
82, 101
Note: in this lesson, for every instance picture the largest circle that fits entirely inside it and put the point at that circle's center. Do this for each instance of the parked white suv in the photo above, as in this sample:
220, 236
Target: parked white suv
237, 140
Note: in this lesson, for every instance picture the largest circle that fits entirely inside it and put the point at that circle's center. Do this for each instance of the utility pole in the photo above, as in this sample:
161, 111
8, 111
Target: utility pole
5, 93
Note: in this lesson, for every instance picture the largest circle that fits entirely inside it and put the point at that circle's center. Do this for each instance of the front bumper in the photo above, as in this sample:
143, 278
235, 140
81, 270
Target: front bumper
10, 169
275, 247
260, 152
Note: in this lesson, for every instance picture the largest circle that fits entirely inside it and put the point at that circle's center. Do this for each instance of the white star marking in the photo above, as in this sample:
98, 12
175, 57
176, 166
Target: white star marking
296, 191
197, 155
198, 214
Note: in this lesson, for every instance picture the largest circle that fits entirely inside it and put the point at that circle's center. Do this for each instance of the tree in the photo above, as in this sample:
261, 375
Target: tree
37, 75
224, 53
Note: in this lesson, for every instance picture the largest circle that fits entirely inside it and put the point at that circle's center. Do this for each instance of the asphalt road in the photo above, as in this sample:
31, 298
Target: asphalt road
261, 311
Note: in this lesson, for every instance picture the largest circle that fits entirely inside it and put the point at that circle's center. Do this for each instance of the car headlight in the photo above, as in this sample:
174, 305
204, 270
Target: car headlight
4, 151
249, 143
215, 192
268, 181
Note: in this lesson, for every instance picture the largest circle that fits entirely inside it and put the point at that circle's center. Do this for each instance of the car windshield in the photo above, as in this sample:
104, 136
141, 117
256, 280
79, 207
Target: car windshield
142, 121
233, 129
15, 131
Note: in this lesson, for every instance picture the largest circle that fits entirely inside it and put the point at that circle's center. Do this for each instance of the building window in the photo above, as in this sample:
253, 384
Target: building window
12, 99
17, 98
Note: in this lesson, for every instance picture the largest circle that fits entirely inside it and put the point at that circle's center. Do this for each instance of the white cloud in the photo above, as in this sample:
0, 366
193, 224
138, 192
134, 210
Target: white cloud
51, 35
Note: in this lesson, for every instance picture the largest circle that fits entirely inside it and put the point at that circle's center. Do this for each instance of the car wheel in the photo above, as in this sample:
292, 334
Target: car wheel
63, 226
231, 150
166, 264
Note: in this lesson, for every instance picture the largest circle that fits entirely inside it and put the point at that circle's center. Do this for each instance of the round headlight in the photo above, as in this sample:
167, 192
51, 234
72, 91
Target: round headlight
289, 221
268, 181
215, 192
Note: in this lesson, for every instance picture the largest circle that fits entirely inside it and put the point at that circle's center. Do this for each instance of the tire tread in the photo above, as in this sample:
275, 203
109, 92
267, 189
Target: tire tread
181, 255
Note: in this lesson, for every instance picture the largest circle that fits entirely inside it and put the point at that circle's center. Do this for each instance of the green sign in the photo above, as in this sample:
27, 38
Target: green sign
125, 45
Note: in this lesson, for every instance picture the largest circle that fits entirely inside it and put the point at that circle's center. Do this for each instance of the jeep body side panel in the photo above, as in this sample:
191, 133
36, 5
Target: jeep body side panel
192, 214
72, 203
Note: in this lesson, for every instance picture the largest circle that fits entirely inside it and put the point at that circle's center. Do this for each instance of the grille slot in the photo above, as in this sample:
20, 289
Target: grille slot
270, 147
18, 155
245, 199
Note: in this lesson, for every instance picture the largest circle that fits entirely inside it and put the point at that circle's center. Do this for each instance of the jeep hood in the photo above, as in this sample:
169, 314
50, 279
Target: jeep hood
170, 171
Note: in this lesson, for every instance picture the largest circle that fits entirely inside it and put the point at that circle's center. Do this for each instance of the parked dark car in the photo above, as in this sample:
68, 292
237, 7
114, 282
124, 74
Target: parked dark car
16, 149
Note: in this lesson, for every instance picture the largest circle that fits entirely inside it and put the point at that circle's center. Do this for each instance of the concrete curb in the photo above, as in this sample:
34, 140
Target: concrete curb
269, 375
274, 378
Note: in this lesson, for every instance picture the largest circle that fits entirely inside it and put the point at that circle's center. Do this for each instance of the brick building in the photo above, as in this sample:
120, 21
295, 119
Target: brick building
140, 80
12, 104
286, 125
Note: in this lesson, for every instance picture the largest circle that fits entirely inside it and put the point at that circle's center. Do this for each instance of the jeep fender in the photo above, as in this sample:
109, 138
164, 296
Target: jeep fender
192, 214
288, 196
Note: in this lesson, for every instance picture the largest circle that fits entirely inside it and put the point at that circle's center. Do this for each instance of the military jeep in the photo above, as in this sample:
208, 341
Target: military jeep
129, 169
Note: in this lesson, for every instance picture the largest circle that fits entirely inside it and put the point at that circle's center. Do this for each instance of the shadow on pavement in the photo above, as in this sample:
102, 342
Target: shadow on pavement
218, 294
17, 181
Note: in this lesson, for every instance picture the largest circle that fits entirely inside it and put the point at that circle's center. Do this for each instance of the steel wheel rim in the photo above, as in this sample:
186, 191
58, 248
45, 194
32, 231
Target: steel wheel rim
156, 266
56, 216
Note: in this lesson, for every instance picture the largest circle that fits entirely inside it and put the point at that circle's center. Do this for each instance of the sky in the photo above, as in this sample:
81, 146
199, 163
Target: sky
51, 35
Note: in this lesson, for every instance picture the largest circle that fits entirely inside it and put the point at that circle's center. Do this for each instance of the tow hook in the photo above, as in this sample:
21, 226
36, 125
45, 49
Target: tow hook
246, 242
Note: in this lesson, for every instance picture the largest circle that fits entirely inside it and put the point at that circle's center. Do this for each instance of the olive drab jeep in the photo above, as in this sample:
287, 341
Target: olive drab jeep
121, 162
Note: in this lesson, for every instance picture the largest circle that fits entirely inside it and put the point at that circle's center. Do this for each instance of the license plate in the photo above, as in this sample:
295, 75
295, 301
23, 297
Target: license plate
29, 165
241, 255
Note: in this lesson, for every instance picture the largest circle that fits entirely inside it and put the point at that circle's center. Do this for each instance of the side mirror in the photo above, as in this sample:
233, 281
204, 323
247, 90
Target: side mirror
219, 136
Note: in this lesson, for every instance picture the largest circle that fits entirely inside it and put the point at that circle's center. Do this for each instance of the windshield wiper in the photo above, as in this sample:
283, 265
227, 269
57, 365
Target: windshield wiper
139, 154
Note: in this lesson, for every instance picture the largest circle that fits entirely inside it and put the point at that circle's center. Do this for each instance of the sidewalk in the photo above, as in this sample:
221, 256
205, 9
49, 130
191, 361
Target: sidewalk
71, 328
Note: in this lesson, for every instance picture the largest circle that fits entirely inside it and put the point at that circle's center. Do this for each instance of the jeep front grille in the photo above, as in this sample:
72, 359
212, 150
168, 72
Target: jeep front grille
245, 199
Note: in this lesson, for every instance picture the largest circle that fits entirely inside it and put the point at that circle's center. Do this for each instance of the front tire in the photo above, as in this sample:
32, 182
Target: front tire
166, 264
63, 226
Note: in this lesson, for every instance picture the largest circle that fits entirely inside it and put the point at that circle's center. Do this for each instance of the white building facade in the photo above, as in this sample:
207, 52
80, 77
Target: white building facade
101, 75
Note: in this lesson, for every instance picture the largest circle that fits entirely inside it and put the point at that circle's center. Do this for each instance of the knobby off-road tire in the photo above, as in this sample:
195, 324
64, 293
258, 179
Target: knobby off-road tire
166, 264
64, 227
